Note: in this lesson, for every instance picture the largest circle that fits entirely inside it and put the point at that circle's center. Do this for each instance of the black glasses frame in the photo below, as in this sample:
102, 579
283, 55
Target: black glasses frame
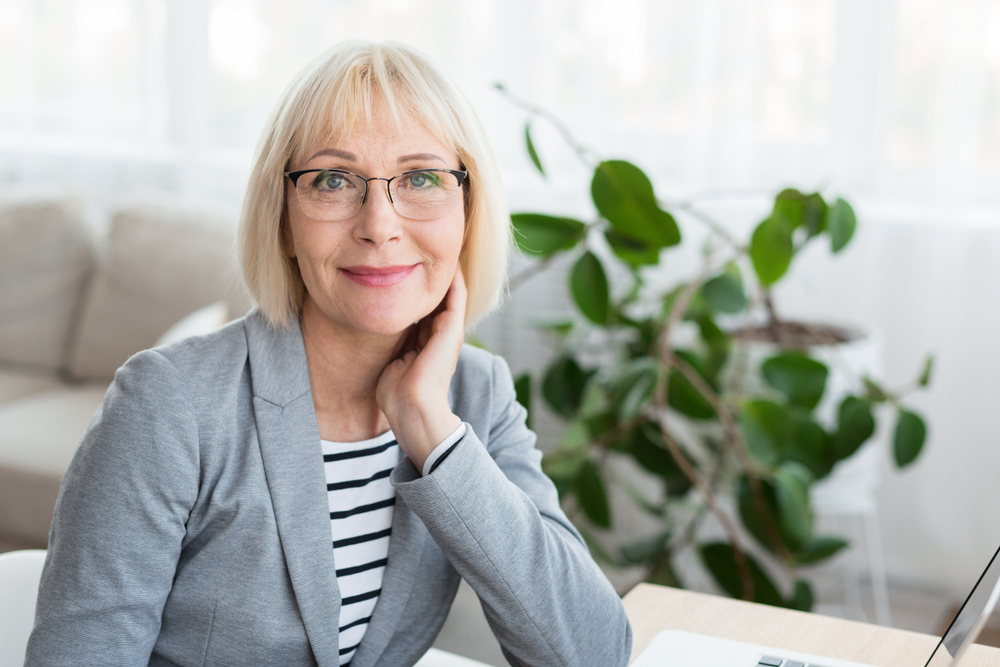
294, 177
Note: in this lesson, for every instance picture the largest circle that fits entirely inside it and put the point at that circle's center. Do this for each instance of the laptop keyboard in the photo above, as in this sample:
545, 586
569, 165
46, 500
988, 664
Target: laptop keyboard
771, 661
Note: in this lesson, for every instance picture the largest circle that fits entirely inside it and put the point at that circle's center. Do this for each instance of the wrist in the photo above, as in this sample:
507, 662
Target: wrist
419, 431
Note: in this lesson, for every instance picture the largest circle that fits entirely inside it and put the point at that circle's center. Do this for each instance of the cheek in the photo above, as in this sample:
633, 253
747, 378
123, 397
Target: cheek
448, 246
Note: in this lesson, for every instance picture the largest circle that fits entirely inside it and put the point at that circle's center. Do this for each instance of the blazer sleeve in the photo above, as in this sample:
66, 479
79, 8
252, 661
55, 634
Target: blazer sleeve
119, 523
496, 516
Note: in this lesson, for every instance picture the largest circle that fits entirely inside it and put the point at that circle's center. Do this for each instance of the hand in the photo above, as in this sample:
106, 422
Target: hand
412, 391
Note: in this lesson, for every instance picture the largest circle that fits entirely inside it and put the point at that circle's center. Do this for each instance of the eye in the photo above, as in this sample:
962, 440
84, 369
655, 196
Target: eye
423, 180
330, 180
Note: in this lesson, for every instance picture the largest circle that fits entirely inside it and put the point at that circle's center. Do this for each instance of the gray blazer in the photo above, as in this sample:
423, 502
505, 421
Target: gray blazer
192, 526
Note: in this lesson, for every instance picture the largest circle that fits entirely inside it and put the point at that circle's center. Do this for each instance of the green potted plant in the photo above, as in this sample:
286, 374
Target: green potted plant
759, 442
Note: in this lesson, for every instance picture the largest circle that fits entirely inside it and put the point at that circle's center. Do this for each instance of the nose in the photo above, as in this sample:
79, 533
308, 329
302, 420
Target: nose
377, 221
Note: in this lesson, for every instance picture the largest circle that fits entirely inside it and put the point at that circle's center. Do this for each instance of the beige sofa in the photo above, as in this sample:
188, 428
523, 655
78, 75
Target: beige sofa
75, 302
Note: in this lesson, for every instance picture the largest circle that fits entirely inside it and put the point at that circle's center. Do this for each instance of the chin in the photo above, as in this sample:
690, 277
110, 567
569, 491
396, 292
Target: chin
388, 320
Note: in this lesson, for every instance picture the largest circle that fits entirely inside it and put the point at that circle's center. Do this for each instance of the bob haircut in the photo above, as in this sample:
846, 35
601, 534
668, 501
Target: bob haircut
342, 87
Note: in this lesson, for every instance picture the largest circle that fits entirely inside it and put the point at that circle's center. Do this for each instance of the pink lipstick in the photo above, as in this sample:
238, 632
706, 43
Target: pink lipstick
377, 276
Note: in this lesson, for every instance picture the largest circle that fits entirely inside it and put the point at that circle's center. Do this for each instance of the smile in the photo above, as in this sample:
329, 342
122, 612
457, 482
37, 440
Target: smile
377, 276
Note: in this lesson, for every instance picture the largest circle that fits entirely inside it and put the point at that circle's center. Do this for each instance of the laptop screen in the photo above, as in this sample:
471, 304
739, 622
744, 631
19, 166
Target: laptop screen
973, 613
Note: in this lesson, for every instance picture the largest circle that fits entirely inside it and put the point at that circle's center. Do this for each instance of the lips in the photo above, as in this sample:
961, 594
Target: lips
377, 276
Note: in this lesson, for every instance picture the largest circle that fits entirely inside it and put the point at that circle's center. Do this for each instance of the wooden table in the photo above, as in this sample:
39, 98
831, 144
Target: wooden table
652, 609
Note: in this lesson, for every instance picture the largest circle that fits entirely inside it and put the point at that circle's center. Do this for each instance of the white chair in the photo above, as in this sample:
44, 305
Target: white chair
19, 575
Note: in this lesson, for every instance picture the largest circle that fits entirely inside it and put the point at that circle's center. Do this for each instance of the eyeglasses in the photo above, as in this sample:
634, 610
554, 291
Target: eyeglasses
334, 194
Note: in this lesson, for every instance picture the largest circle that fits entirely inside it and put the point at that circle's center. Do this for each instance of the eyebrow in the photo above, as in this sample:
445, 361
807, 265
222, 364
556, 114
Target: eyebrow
351, 157
335, 153
415, 157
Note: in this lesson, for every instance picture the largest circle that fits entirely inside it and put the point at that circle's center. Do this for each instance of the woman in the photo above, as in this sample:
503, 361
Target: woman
194, 526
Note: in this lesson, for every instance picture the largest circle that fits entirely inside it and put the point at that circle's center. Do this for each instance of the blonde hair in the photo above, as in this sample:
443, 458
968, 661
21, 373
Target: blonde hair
326, 99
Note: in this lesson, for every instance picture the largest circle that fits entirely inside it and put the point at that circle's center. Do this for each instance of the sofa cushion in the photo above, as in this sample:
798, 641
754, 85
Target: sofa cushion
38, 436
16, 384
47, 252
163, 262
199, 323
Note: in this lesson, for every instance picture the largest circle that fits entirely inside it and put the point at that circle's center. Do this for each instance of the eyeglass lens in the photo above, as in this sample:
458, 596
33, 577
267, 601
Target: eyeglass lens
337, 195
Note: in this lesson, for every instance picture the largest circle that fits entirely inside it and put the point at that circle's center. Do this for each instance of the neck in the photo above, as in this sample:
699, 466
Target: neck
344, 370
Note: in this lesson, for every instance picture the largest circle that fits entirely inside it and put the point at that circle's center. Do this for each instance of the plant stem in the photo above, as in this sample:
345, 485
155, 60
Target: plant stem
734, 436
772, 316
714, 225
586, 155
666, 361
713, 505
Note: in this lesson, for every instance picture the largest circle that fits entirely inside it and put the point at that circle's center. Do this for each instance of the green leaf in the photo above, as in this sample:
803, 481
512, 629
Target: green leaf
766, 428
791, 484
750, 512
756, 518
559, 328
925, 375
790, 206
646, 445
575, 436
562, 386
841, 222
717, 344
624, 196
819, 548
720, 559
544, 235
802, 596
855, 424
814, 214
874, 391
725, 292
801, 379
634, 251
771, 249
592, 495
810, 445
663, 573
595, 401
590, 288
682, 395
909, 438
634, 388
600, 424
563, 469
522, 390
685, 399
532, 153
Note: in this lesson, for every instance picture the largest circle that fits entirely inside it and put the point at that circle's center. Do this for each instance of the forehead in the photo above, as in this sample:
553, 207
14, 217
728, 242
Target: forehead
384, 138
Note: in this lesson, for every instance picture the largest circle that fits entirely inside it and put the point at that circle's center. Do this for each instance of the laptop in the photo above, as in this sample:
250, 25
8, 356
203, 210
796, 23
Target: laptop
676, 648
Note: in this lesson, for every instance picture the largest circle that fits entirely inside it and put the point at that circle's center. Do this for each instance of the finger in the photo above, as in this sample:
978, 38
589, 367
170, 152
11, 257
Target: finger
424, 331
410, 340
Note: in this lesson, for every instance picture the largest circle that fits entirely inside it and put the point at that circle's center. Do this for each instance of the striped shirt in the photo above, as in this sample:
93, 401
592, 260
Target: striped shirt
361, 500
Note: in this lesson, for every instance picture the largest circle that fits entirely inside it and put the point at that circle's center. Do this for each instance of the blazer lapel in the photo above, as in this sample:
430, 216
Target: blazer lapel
406, 544
289, 443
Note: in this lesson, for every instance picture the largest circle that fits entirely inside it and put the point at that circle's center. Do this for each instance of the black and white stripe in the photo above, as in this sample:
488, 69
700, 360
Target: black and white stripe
361, 500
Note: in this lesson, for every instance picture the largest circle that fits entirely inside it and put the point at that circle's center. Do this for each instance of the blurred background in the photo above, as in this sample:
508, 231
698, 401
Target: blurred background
892, 104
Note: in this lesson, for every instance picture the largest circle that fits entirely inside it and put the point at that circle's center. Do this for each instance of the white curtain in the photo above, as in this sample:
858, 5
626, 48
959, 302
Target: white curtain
894, 104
